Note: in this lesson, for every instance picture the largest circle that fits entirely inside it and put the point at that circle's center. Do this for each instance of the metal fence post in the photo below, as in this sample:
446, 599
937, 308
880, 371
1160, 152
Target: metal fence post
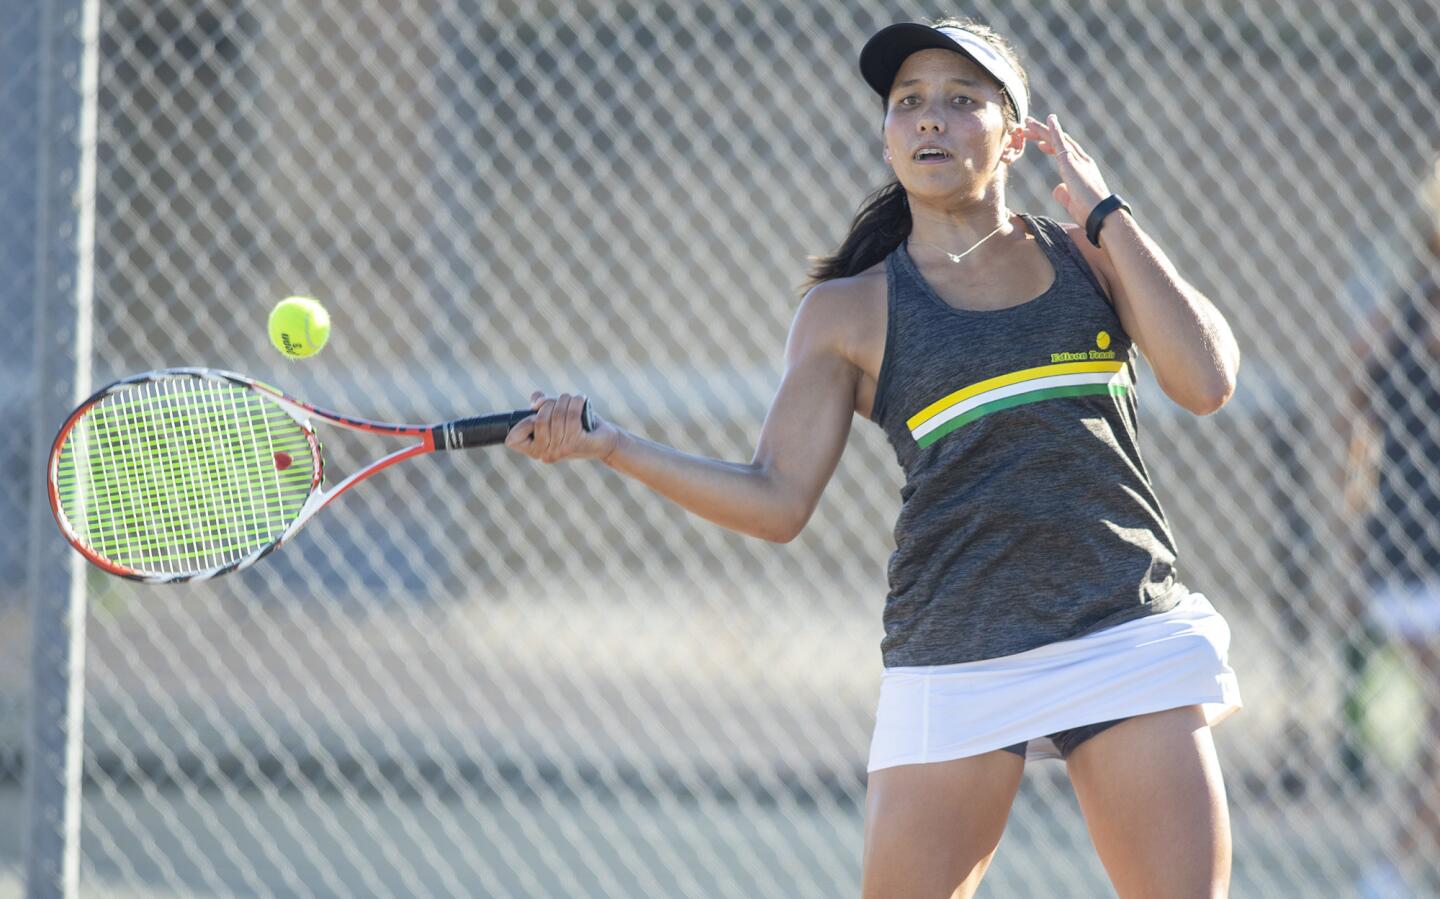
63, 241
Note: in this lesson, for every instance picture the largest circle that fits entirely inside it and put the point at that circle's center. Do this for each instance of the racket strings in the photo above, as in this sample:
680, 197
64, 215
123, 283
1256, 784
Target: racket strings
183, 475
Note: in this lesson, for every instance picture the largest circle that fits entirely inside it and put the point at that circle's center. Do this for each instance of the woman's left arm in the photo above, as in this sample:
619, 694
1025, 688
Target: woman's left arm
1186, 340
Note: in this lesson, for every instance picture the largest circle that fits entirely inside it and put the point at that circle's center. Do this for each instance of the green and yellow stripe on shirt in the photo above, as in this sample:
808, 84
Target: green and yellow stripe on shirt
1030, 385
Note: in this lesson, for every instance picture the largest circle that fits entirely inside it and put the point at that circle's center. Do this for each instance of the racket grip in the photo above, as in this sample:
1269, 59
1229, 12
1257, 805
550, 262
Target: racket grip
489, 430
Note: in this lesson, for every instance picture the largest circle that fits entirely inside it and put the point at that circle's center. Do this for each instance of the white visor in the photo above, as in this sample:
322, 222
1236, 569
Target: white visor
888, 48
984, 54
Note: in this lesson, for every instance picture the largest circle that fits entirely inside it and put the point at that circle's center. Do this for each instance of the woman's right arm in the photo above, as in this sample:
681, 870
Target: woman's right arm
773, 495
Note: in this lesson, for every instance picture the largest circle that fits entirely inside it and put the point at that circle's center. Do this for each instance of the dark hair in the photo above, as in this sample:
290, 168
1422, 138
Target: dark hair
883, 221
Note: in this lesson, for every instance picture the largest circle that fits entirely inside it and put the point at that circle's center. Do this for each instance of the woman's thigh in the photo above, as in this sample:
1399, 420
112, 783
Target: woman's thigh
930, 830
1154, 802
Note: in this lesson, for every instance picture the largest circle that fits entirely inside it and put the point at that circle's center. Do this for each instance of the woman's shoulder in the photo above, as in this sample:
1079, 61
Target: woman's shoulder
855, 294
850, 310
1095, 257
1053, 229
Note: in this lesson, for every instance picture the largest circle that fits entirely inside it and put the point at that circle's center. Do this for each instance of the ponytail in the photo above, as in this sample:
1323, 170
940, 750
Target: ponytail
882, 223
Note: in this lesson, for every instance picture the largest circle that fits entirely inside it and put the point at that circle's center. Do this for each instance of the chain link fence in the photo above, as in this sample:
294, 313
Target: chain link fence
479, 676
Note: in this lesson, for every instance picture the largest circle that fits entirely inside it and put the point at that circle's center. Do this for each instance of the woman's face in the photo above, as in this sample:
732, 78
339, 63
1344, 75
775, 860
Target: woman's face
945, 101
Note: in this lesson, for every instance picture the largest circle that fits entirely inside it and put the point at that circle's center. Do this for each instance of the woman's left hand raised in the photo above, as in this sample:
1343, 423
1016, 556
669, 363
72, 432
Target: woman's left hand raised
1081, 185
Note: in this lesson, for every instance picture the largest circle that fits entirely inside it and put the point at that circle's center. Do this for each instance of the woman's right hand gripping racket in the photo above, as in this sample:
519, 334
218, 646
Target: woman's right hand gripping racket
190, 473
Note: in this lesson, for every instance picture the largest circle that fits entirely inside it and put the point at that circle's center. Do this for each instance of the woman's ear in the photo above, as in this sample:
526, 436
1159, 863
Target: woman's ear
1014, 145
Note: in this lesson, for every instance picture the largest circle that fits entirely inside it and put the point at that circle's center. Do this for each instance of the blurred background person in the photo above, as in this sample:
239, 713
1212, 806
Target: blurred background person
1392, 493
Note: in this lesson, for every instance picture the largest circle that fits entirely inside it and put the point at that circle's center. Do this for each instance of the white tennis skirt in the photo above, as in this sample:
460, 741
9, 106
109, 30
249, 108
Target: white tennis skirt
1163, 661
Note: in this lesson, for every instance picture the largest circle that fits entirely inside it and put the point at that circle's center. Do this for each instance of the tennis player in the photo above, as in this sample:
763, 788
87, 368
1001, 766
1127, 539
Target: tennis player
1035, 608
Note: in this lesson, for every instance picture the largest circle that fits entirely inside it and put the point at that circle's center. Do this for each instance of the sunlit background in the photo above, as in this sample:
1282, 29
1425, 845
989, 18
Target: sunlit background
479, 676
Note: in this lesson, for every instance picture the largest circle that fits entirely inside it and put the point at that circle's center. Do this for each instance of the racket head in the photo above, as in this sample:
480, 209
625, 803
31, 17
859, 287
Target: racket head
182, 474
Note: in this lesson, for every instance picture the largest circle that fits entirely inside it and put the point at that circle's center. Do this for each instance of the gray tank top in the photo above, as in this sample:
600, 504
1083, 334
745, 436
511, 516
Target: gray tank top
1027, 514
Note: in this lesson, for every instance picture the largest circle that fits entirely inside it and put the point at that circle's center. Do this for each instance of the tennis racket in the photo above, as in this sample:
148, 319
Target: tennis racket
186, 474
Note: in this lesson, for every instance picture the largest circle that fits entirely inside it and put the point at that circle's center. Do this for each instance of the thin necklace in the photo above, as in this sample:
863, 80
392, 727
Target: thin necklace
956, 257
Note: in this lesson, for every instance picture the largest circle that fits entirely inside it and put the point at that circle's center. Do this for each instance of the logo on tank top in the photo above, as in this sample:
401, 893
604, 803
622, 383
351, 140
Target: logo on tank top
1102, 351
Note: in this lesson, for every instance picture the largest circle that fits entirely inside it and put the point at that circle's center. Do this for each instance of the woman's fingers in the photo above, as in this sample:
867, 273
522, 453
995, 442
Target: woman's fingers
562, 436
544, 426
1081, 184
1050, 137
1062, 140
1037, 131
1065, 145
556, 431
1058, 135
1075, 149
519, 438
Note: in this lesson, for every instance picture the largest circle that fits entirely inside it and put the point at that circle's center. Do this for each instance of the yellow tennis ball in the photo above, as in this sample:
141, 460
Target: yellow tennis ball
299, 327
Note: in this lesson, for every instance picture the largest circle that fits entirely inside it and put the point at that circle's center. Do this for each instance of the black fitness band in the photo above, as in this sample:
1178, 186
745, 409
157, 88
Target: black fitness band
1097, 216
